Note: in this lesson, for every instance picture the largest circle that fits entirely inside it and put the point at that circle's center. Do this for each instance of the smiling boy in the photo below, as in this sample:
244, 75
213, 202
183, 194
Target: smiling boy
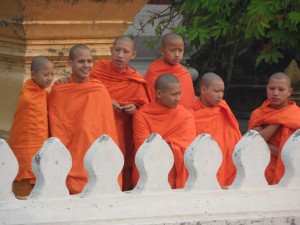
128, 91
80, 111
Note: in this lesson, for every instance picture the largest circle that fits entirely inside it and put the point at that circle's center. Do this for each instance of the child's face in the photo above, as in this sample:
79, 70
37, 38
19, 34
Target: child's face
212, 94
169, 97
173, 51
278, 91
81, 65
44, 76
122, 52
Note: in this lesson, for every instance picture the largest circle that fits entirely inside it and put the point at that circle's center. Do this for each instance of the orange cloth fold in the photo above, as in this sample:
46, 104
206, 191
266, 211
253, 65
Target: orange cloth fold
78, 114
30, 127
289, 118
126, 87
177, 128
221, 124
159, 67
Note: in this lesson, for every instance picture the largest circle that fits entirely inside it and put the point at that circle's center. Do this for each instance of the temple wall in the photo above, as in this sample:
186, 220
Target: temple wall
50, 28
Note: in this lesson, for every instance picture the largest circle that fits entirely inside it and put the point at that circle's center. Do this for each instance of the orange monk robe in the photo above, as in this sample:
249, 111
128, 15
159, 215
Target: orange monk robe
289, 118
159, 67
221, 124
177, 128
30, 127
78, 114
125, 87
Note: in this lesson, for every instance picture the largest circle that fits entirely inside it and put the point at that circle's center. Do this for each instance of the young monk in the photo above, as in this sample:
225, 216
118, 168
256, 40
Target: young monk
128, 91
172, 50
276, 120
170, 120
79, 112
30, 125
213, 116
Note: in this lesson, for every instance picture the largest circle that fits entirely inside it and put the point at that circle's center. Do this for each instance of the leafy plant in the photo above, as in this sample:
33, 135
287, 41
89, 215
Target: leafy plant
226, 30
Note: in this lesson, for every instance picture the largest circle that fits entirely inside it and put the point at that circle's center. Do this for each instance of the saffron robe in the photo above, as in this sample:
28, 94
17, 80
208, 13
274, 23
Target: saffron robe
78, 114
177, 128
126, 87
289, 118
221, 124
159, 67
30, 127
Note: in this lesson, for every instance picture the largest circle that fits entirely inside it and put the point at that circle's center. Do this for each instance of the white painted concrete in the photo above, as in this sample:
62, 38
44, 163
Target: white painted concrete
291, 159
251, 157
103, 162
51, 166
8, 171
154, 160
246, 203
203, 159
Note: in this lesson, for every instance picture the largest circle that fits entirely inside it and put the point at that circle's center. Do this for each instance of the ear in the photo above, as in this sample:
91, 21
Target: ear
158, 93
134, 53
70, 62
202, 89
290, 91
162, 51
33, 75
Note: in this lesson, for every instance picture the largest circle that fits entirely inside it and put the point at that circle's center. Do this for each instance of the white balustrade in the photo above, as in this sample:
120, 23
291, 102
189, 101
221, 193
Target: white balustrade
8, 171
51, 166
251, 157
203, 159
103, 162
154, 160
248, 201
291, 159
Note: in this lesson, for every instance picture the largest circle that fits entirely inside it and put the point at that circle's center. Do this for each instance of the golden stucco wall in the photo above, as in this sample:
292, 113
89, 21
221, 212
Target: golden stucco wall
50, 27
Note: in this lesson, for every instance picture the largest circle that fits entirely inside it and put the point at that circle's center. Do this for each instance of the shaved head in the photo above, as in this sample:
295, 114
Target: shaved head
167, 90
171, 37
76, 48
163, 81
127, 39
280, 76
38, 63
208, 78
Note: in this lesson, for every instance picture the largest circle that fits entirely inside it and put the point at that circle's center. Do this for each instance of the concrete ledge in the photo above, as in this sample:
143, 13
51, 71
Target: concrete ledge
249, 200
268, 206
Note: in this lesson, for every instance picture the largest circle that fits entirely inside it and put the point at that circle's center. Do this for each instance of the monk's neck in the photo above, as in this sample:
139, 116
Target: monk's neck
119, 70
169, 64
78, 80
204, 102
281, 106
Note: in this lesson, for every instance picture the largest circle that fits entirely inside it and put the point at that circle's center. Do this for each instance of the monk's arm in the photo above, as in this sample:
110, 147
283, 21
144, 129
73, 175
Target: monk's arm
62, 80
274, 150
267, 131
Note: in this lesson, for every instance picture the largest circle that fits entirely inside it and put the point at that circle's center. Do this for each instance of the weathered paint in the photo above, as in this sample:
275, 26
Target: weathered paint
50, 28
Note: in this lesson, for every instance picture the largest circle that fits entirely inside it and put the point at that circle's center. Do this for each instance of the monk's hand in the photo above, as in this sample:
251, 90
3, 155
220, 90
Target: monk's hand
116, 105
62, 80
129, 109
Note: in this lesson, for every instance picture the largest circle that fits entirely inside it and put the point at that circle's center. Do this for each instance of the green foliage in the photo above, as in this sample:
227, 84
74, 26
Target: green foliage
231, 28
